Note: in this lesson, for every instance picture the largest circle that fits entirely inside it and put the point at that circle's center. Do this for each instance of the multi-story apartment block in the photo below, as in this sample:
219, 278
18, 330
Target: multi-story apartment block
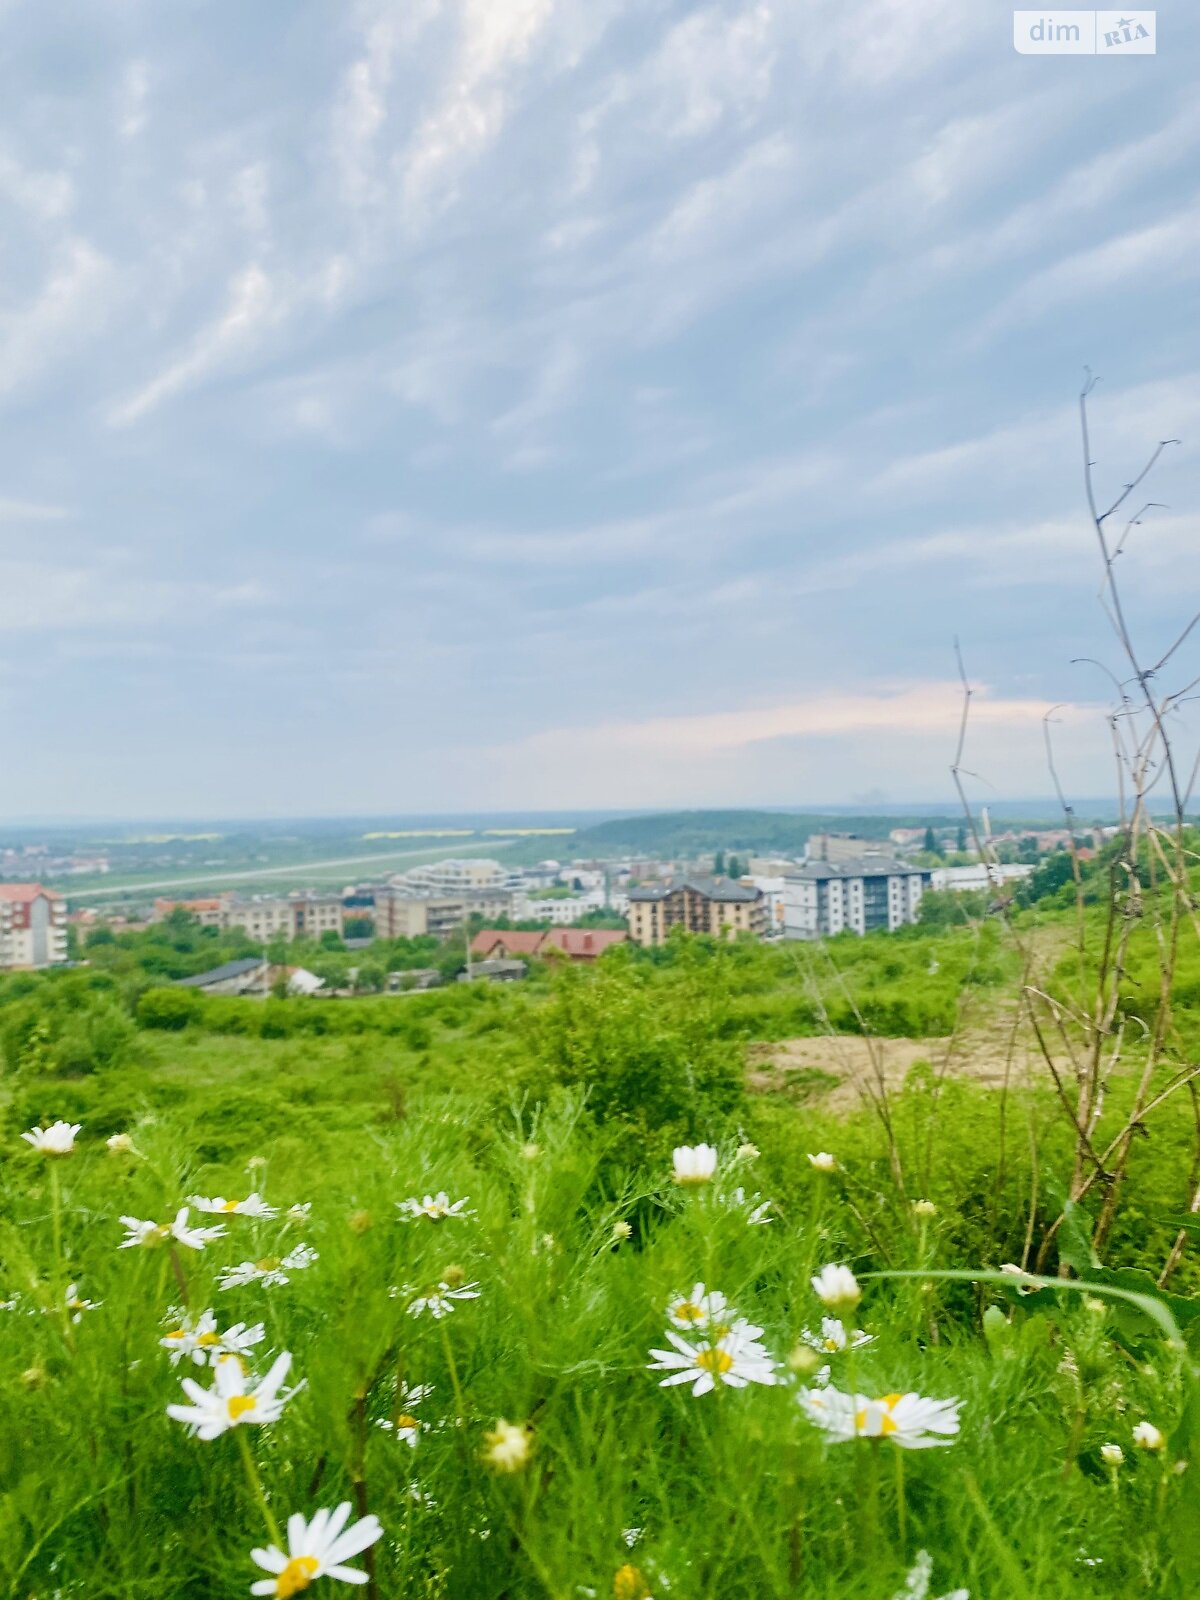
293, 916
467, 876
404, 913
702, 905
823, 898
33, 926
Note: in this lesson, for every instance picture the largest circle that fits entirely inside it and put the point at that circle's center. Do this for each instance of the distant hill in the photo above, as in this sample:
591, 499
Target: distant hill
686, 833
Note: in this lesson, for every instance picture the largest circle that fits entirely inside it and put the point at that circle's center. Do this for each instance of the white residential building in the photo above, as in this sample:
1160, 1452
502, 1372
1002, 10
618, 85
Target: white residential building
33, 926
824, 898
470, 875
980, 875
773, 886
561, 910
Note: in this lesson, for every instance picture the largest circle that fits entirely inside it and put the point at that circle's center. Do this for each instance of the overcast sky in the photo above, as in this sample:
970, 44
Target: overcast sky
434, 404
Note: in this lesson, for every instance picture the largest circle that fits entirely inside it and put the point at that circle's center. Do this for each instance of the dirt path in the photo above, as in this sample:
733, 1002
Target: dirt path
836, 1069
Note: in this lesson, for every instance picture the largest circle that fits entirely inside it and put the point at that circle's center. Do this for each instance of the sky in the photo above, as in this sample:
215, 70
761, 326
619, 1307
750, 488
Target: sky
480, 404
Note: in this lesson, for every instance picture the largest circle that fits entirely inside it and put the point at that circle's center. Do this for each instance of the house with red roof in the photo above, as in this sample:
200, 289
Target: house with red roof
577, 944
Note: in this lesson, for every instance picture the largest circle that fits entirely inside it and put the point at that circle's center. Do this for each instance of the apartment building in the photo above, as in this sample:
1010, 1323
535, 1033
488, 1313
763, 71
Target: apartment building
293, 916
33, 926
823, 898
469, 875
701, 905
405, 913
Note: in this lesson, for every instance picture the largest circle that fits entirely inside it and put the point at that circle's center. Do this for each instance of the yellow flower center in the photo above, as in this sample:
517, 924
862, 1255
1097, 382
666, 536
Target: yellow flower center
205, 1338
714, 1360
689, 1311
407, 1420
267, 1264
177, 1333
296, 1576
231, 1205
887, 1423
832, 1344
239, 1404
629, 1583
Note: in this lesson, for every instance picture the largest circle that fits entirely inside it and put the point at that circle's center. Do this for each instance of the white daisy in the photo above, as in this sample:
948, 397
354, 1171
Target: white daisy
837, 1288
121, 1144
228, 1403
316, 1549
151, 1234
56, 1140
735, 1359
271, 1271
1147, 1437
833, 1337
298, 1213
201, 1342
403, 1423
252, 1206
694, 1164
759, 1212
916, 1585
822, 1161
439, 1299
700, 1310
77, 1305
908, 1420
435, 1207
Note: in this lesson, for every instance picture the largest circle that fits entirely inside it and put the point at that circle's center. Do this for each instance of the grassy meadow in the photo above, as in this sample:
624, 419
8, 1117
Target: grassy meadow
461, 1215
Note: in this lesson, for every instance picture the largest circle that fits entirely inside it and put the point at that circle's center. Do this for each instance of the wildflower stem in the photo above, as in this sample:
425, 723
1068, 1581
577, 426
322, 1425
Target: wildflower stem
901, 1504
180, 1277
454, 1383
257, 1489
60, 1276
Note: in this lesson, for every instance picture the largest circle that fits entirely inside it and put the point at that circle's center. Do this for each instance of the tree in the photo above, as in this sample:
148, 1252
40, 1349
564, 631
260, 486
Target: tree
358, 927
735, 867
932, 847
719, 864
961, 842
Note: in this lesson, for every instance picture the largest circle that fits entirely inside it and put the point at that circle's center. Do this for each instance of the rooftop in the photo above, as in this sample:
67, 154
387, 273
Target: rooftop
231, 969
24, 892
720, 889
859, 867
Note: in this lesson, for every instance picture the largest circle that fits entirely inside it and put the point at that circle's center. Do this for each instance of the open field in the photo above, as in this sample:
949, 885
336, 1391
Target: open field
521, 1443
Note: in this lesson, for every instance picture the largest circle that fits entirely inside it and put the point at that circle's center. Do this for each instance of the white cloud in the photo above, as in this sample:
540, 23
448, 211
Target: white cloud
252, 304
46, 196
69, 306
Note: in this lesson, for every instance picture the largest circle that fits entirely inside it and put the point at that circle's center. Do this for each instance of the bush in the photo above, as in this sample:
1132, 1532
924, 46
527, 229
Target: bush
169, 1009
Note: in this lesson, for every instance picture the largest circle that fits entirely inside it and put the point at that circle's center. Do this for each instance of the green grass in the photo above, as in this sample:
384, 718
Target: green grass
554, 1106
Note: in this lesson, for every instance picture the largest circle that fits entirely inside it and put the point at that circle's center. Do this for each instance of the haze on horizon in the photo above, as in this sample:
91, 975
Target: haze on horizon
485, 404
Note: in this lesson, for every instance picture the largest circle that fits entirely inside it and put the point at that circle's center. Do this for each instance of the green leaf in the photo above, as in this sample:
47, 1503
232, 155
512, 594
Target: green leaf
1075, 1240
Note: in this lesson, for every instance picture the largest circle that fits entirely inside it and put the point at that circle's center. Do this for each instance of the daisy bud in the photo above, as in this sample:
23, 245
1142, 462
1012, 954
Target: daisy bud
1112, 1455
34, 1378
837, 1288
694, 1165
748, 1152
924, 1208
121, 1144
804, 1361
530, 1152
1147, 1437
454, 1277
256, 1163
507, 1446
359, 1221
621, 1231
823, 1161
1094, 1304
629, 1583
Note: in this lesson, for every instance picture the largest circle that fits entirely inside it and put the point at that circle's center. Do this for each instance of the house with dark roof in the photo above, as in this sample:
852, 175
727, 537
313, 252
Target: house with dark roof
717, 906
245, 976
